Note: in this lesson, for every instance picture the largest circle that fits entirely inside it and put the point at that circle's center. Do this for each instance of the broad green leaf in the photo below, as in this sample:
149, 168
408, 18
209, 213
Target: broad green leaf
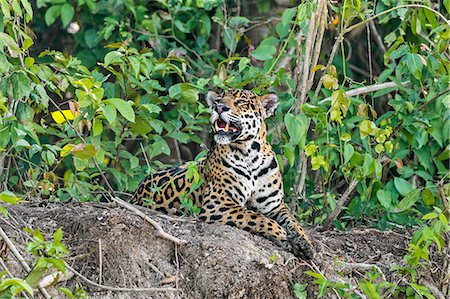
431, 215
287, 15
447, 5
414, 64
408, 201
52, 14
84, 151
264, 52
91, 39
289, 153
110, 113
428, 197
385, 198
125, 108
229, 39
297, 127
238, 21
113, 57
348, 152
403, 186
67, 13
9, 197
21, 284
57, 235
97, 127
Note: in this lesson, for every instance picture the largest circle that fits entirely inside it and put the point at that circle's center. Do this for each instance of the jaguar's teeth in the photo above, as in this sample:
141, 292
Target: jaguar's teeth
216, 126
227, 126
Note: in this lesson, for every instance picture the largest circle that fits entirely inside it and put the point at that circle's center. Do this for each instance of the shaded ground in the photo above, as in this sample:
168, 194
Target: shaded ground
218, 261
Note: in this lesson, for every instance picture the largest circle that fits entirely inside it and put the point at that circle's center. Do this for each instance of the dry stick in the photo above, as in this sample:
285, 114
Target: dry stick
159, 230
340, 203
20, 258
87, 280
313, 45
377, 36
100, 261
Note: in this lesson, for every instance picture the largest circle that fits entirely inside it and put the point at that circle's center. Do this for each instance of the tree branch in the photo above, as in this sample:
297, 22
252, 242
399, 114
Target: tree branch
341, 202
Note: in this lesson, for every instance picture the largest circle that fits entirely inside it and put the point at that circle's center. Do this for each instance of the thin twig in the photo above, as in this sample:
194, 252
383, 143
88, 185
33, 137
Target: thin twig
377, 36
117, 289
159, 230
100, 261
340, 203
20, 258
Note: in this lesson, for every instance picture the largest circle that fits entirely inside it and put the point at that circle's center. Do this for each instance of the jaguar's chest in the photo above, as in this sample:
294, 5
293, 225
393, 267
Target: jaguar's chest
241, 174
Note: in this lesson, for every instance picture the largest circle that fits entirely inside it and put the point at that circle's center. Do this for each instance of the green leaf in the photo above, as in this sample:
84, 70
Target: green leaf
57, 235
84, 151
287, 15
9, 197
447, 5
348, 152
264, 52
67, 13
431, 215
97, 127
414, 64
238, 22
289, 153
385, 198
368, 165
52, 14
15, 282
408, 201
110, 112
428, 197
229, 39
403, 186
123, 107
91, 39
297, 127
113, 57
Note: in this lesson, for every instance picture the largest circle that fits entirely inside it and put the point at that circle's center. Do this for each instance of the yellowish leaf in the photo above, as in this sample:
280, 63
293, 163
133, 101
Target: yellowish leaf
62, 116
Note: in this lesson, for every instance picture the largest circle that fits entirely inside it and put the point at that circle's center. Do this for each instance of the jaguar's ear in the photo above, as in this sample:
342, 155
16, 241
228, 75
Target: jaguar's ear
269, 103
211, 98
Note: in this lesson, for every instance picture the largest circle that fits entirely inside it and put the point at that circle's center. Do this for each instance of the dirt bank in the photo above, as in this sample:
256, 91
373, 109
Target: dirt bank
218, 261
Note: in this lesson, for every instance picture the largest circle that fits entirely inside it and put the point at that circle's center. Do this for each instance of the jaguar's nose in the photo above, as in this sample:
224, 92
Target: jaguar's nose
221, 108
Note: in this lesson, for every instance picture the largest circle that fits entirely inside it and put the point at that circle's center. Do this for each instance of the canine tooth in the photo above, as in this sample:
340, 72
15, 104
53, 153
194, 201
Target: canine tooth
216, 126
227, 126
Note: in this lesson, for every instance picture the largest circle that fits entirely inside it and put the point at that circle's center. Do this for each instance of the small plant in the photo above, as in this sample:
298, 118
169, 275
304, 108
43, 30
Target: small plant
11, 287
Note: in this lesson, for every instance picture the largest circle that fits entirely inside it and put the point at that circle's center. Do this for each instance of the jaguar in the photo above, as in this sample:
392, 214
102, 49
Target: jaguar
242, 184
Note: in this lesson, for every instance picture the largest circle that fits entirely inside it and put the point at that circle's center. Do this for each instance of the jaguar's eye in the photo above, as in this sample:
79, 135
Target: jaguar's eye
240, 102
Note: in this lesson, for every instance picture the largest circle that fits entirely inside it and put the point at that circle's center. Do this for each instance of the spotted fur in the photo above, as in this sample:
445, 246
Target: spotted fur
242, 180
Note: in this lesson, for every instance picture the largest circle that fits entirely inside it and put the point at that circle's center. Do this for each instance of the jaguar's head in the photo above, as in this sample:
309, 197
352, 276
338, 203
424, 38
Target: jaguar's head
238, 115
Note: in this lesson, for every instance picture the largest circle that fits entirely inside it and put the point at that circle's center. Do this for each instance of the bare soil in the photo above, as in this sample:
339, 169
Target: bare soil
217, 262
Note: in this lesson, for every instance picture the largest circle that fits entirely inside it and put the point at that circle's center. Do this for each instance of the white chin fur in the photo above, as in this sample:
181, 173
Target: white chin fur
220, 139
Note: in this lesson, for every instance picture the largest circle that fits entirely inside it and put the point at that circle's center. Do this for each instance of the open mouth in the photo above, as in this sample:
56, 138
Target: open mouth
222, 127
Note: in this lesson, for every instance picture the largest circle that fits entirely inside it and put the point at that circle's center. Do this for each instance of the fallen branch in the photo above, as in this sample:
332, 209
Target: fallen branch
340, 203
159, 230
20, 258
117, 289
